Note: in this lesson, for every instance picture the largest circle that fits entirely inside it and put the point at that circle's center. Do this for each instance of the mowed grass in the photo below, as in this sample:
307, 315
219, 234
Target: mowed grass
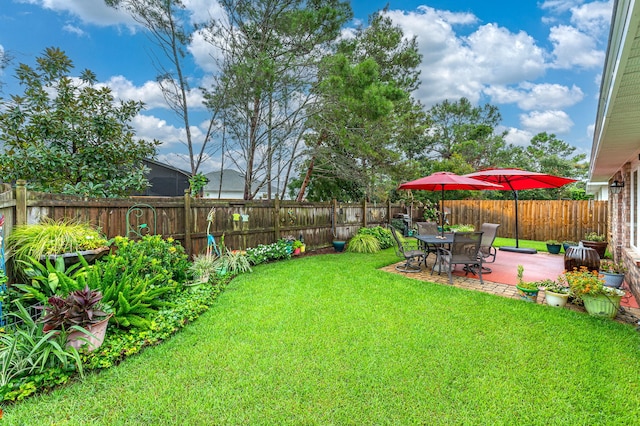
332, 340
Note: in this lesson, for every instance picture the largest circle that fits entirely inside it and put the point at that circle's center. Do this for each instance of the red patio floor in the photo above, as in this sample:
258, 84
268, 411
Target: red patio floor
537, 267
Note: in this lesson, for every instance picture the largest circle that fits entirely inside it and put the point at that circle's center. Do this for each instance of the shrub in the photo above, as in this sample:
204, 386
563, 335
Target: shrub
363, 243
161, 257
383, 235
268, 252
128, 289
47, 280
26, 350
80, 308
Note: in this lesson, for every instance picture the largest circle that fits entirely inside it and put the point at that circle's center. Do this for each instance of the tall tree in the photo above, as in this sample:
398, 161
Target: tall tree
459, 127
364, 111
167, 22
269, 52
65, 134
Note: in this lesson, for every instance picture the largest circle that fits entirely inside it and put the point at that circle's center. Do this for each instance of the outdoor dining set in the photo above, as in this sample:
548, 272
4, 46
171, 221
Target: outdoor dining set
470, 249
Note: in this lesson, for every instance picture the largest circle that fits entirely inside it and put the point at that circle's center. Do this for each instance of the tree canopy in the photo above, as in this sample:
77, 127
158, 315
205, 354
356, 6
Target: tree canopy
67, 134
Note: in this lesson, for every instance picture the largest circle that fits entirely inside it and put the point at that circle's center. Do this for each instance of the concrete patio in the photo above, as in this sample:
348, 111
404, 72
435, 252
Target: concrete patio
503, 278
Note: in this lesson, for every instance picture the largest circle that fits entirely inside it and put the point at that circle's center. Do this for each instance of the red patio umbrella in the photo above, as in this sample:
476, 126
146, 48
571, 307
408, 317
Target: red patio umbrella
441, 181
516, 180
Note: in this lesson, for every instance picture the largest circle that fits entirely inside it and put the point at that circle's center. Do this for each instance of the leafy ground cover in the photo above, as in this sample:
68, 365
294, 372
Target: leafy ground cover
332, 340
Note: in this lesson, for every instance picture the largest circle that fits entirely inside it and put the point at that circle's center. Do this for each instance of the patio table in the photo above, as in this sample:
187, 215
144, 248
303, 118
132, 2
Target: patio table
437, 240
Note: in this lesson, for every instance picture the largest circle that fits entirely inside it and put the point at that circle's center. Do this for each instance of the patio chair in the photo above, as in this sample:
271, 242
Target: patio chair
428, 228
413, 257
465, 250
489, 231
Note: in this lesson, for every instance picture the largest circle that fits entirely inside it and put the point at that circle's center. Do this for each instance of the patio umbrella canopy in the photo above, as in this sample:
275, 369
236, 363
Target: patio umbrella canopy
516, 180
442, 181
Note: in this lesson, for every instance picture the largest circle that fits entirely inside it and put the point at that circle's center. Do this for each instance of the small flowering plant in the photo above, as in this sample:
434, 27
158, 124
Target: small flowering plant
552, 286
268, 252
583, 281
612, 267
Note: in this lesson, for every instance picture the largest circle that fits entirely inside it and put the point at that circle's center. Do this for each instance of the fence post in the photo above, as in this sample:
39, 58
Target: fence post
187, 221
21, 202
335, 219
364, 213
276, 217
389, 211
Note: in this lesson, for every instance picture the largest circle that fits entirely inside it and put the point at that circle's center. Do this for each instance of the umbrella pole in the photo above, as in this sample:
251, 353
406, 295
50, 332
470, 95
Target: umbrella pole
515, 197
442, 212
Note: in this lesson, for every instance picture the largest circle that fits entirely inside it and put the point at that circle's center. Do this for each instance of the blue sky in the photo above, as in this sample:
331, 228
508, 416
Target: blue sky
539, 62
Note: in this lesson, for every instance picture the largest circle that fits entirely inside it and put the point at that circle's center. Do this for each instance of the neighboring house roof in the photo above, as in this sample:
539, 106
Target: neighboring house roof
617, 126
232, 182
165, 180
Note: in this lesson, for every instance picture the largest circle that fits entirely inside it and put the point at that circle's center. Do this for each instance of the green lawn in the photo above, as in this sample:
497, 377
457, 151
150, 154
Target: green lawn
332, 340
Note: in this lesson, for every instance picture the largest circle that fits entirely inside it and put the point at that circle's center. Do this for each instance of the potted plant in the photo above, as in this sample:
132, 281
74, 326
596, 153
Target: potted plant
527, 290
201, 270
555, 293
50, 239
596, 241
81, 315
588, 286
613, 272
297, 247
553, 246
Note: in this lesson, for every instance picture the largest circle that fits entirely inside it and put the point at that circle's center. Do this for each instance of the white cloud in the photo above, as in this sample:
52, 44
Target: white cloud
574, 48
593, 18
150, 127
150, 93
454, 66
74, 30
559, 6
551, 121
517, 137
529, 96
93, 12
203, 10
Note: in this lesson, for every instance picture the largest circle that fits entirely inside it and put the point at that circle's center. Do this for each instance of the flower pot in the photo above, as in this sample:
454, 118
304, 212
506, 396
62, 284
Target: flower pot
612, 280
339, 245
302, 248
554, 248
602, 305
599, 246
558, 300
527, 294
72, 258
77, 338
296, 251
580, 255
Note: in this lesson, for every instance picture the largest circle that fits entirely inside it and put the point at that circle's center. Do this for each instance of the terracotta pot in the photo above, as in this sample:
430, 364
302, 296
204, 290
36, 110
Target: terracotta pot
77, 338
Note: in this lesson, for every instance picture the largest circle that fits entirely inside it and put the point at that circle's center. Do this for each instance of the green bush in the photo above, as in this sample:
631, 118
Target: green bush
165, 258
268, 252
26, 350
383, 235
45, 281
363, 243
128, 290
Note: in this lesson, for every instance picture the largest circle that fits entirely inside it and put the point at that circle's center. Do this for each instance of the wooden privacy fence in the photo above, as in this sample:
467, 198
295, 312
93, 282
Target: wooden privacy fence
246, 224
539, 220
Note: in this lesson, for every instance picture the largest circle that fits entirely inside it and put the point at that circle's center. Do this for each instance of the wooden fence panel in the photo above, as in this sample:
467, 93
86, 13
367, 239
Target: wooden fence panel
540, 220
268, 220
